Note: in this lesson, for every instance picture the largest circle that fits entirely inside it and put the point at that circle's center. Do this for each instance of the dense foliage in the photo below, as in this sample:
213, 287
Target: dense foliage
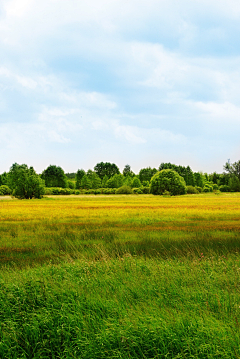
54, 177
24, 182
107, 176
167, 180
106, 169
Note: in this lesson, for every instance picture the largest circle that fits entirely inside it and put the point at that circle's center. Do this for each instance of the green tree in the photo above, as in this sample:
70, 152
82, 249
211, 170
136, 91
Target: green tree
145, 174
190, 180
54, 177
214, 177
24, 182
104, 181
167, 180
128, 181
4, 179
106, 169
96, 181
71, 184
234, 184
136, 183
79, 176
199, 179
184, 172
115, 181
127, 172
85, 182
233, 169
71, 175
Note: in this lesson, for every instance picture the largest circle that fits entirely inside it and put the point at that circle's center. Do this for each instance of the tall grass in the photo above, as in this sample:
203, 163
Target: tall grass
125, 277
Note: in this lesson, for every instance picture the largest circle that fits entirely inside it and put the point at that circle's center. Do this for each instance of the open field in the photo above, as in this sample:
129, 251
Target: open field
120, 277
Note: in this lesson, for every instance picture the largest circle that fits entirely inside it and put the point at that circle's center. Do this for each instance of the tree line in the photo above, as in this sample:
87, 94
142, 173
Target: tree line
23, 182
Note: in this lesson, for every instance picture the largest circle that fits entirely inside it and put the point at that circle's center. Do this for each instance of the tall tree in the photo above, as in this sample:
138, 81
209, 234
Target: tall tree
79, 176
233, 169
94, 179
115, 181
85, 182
145, 174
24, 182
106, 169
128, 172
54, 177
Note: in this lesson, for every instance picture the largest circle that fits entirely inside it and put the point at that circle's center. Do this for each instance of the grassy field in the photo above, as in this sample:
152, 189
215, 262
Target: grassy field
120, 277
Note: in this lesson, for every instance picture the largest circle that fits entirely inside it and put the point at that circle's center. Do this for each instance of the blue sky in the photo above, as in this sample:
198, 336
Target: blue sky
129, 82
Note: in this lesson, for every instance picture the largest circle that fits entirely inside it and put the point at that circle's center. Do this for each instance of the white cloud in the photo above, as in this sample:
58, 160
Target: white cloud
129, 133
143, 74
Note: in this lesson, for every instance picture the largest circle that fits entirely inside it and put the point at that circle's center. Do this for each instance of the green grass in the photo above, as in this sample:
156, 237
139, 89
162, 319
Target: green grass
123, 277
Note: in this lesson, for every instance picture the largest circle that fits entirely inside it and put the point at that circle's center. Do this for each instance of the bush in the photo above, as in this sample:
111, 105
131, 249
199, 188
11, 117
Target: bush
108, 190
4, 190
207, 188
65, 191
145, 190
166, 194
192, 190
199, 189
77, 192
167, 180
93, 191
55, 190
224, 188
124, 190
48, 191
58, 191
137, 191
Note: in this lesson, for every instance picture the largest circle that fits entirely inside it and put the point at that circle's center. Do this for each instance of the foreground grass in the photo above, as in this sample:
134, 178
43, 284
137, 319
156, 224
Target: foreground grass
120, 277
125, 308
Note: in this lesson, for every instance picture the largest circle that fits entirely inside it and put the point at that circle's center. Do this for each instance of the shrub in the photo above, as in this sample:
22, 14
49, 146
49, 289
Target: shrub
167, 180
137, 191
199, 189
192, 190
65, 191
207, 188
77, 192
145, 190
224, 188
109, 191
48, 191
55, 190
124, 190
4, 190
166, 194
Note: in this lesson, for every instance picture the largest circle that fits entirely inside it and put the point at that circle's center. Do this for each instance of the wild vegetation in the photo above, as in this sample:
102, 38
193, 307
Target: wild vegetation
23, 182
120, 277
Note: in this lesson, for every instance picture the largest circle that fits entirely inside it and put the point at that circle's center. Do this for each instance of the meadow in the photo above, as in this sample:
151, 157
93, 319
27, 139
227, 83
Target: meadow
122, 276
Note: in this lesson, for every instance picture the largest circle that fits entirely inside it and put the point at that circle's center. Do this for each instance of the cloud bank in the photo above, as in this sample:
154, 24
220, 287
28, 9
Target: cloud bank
122, 81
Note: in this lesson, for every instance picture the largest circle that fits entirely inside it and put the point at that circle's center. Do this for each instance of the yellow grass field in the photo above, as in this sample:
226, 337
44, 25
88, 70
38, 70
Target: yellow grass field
103, 277
33, 231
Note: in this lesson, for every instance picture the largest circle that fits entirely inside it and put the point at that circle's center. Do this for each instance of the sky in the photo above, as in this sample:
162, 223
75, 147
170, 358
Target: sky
136, 82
